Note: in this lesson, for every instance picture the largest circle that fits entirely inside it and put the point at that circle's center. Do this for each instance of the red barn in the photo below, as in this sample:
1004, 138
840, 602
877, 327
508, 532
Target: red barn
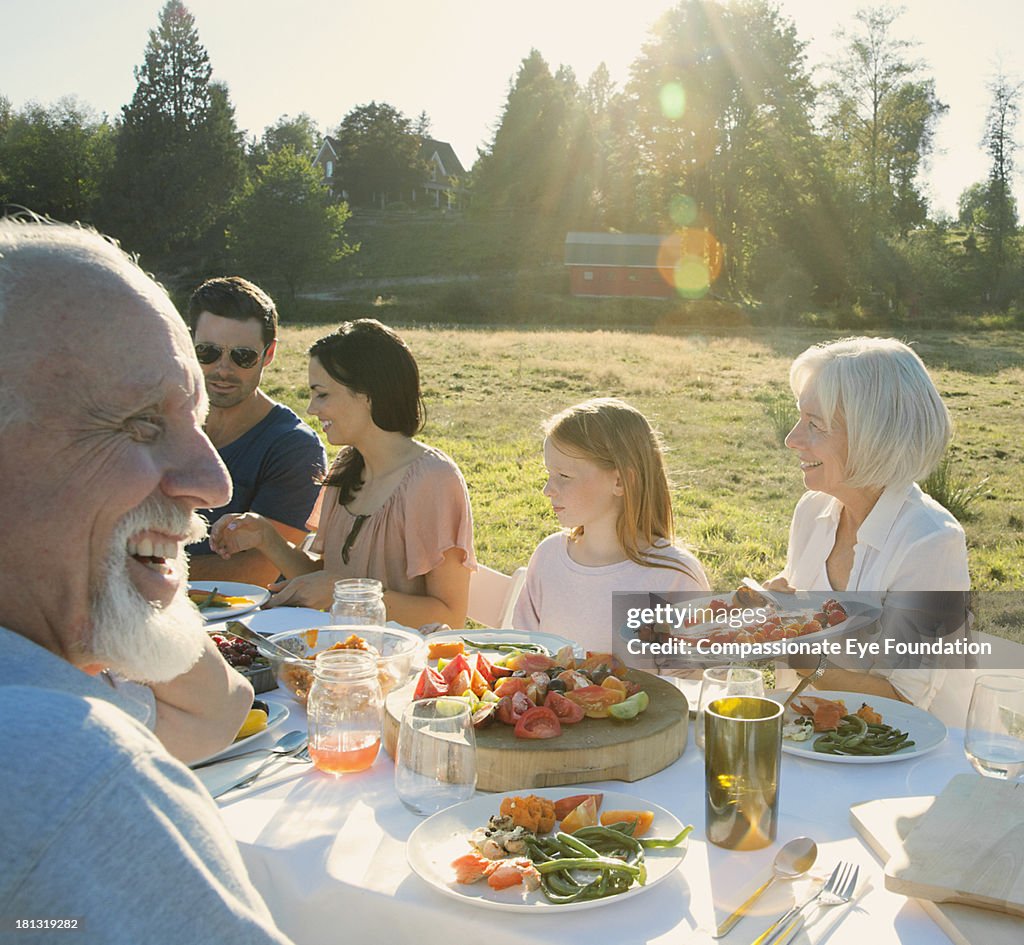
616, 264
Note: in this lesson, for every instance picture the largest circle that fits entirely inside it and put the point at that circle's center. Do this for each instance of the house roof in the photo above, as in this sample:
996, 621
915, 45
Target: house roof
612, 249
450, 163
451, 166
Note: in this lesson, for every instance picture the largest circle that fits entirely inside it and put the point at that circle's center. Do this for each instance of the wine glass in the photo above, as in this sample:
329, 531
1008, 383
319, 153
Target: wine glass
435, 761
994, 738
720, 681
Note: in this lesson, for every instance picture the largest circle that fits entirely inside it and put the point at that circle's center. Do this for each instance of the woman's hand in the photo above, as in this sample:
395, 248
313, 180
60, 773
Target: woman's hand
239, 532
315, 590
780, 585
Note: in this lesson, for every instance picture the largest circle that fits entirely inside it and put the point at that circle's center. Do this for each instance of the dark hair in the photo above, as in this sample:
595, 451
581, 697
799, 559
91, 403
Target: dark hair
371, 359
237, 298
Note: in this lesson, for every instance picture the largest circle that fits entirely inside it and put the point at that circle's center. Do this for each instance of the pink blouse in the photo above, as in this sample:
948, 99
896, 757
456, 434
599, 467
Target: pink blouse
404, 539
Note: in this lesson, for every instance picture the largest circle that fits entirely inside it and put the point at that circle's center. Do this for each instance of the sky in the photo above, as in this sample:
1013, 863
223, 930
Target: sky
455, 59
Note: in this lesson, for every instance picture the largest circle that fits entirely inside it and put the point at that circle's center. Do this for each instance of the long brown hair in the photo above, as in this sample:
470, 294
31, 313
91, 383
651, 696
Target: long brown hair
369, 358
613, 435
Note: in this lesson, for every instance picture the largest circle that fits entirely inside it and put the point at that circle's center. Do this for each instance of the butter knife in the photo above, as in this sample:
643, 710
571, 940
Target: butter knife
249, 777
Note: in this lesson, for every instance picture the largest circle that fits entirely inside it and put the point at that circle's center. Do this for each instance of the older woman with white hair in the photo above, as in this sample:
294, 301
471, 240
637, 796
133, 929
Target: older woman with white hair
871, 424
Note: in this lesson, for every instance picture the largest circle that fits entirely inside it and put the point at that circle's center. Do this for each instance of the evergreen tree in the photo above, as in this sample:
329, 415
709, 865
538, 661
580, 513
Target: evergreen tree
1000, 140
179, 155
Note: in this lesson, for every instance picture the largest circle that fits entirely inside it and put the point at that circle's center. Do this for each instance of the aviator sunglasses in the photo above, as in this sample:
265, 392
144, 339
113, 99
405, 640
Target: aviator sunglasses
209, 353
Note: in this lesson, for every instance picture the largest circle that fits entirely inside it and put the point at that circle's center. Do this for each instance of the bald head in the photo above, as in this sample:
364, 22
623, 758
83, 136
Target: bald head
62, 289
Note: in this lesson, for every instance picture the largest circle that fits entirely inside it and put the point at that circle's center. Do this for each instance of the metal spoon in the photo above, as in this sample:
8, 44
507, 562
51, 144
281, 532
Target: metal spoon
285, 745
794, 859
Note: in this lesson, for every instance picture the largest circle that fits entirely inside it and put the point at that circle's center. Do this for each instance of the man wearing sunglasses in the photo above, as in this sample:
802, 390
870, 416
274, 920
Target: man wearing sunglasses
275, 460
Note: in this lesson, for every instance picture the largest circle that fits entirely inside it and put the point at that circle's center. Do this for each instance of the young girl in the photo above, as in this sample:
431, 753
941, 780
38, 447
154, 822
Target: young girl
608, 488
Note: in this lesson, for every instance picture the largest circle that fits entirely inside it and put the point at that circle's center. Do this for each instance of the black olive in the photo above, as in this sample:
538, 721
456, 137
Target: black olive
556, 685
555, 671
260, 704
520, 674
600, 674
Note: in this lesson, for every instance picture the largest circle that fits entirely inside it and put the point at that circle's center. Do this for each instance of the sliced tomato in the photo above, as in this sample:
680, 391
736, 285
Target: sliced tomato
836, 615
484, 668
430, 685
538, 722
530, 662
642, 818
565, 806
573, 679
510, 684
459, 684
609, 661
478, 684
584, 815
596, 701
614, 683
459, 664
566, 657
567, 711
512, 708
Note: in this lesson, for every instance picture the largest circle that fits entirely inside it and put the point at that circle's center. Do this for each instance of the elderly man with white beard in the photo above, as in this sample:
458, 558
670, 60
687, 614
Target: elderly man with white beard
102, 454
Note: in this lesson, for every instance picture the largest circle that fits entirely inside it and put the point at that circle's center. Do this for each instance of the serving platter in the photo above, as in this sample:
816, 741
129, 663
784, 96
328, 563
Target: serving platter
591, 750
441, 838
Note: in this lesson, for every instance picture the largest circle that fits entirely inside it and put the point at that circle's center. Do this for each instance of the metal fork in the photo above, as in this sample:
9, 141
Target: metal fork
817, 673
836, 891
302, 756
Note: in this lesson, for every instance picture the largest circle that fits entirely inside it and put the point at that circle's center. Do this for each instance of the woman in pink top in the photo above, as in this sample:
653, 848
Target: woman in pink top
391, 508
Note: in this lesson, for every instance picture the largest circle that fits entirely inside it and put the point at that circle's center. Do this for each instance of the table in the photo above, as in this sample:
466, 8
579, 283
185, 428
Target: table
329, 858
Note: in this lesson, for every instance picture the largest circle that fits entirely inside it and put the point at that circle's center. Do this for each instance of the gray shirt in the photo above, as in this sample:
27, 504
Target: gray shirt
101, 824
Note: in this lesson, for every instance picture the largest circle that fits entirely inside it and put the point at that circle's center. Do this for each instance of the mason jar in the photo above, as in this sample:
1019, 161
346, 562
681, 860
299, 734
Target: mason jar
359, 601
345, 711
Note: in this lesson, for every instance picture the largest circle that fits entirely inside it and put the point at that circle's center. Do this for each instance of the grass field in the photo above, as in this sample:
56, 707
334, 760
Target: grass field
717, 399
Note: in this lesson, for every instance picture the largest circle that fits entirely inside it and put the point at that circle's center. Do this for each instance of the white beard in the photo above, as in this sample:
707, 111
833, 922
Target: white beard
135, 637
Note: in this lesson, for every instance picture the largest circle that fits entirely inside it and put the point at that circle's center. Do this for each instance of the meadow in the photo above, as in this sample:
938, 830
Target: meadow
722, 403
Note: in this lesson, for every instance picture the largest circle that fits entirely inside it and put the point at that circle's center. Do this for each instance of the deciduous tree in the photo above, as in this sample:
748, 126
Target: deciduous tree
285, 229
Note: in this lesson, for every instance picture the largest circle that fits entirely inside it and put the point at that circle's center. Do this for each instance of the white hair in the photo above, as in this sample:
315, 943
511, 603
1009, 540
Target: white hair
897, 426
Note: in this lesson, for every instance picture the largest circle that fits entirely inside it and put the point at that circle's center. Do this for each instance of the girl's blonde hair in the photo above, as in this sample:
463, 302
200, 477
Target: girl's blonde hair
615, 436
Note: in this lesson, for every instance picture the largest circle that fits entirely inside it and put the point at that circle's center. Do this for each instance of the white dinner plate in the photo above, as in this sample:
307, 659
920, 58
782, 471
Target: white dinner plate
861, 612
277, 714
926, 731
257, 597
282, 619
550, 641
443, 837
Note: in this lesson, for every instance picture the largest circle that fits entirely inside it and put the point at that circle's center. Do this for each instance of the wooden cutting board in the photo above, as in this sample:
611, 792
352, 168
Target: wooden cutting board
968, 848
885, 824
591, 750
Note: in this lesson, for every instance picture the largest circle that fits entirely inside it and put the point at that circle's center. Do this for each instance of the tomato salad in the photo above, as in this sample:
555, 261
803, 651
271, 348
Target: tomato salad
533, 692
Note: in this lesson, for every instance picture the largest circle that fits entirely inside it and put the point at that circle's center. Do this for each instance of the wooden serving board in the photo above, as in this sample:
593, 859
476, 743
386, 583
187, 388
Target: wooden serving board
591, 750
968, 848
885, 824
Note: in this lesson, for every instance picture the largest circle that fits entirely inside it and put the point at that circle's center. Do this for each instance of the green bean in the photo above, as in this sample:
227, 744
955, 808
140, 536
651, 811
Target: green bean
659, 843
508, 647
639, 872
575, 844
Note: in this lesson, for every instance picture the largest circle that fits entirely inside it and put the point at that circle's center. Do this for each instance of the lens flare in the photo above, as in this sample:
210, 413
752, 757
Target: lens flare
682, 210
672, 99
690, 260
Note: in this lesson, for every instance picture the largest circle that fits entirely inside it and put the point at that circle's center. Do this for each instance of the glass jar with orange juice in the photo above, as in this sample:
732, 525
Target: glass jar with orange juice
345, 711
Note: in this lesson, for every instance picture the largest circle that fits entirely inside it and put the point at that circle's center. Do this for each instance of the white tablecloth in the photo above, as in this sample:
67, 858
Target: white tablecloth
328, 855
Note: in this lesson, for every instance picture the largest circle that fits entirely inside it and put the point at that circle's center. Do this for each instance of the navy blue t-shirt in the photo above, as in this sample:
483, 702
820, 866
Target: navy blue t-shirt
275, 469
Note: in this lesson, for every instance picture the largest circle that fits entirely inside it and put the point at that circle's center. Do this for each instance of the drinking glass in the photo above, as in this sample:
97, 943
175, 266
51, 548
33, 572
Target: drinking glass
722, 681
741, 771
435, 761
994, 738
